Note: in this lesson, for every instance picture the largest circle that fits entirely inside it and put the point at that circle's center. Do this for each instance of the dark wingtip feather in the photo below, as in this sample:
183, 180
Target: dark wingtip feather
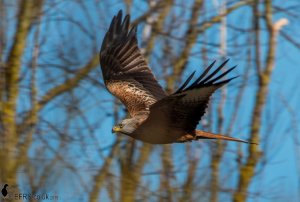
110, 29
220, 76
186, 82
204, 79
202, 75
118, 24
214, 72
225, 81
118, 31
132, 33
119, 15
125, 24
133, 30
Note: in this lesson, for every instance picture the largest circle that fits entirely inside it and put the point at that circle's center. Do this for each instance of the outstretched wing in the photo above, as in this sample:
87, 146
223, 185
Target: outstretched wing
125, 71
184, 108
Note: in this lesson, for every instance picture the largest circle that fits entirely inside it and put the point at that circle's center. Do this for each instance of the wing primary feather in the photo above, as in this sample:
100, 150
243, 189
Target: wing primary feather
219, 77
125, 25
104, 43
114, 29
214, 72
203, 74
225, 81
119, 23
198, 81
119, 15
186, 82
132, 32
112, 24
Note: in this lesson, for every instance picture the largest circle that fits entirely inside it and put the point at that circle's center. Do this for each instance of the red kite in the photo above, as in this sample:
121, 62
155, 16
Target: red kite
155, 117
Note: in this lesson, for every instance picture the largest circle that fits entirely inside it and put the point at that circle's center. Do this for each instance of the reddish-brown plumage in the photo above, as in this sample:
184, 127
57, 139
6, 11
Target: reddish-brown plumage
200, 134
135, 98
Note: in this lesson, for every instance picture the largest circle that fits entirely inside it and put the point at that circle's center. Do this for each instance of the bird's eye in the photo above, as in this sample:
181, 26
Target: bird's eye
121, 125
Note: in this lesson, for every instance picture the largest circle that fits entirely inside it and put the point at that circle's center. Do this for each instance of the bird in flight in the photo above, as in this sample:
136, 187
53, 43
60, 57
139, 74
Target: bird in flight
155, 117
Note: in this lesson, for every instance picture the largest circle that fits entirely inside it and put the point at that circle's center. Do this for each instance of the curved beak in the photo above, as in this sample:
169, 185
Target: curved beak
116, 129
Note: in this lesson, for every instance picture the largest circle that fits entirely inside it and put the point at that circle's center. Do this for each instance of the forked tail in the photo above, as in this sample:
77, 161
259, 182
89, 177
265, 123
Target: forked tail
207, 135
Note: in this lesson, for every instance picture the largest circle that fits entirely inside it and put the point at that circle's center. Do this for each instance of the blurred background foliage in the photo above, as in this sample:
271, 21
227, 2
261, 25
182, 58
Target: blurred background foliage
56, 115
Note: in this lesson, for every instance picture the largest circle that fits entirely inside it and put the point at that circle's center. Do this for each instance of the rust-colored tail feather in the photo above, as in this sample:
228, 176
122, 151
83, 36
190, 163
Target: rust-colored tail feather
207, 135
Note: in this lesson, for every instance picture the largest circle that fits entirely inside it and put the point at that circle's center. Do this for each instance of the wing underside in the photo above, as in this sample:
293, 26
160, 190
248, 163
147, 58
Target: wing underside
125, 71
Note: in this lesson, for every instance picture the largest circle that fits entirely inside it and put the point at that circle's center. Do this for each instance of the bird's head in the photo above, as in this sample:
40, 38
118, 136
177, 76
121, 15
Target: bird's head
6, 185
127, 126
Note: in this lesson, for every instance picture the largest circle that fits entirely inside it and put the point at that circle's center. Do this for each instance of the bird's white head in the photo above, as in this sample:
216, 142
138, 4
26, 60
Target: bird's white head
127, 126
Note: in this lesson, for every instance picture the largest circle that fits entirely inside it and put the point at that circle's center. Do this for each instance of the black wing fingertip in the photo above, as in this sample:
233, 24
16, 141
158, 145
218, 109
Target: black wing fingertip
214, 72
225, 81
195, 83
185, 83
220, 76
132, 32
119, 15
206, 79
125, 24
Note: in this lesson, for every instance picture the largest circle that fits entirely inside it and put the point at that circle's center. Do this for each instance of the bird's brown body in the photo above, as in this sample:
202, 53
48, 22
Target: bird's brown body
155, 117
